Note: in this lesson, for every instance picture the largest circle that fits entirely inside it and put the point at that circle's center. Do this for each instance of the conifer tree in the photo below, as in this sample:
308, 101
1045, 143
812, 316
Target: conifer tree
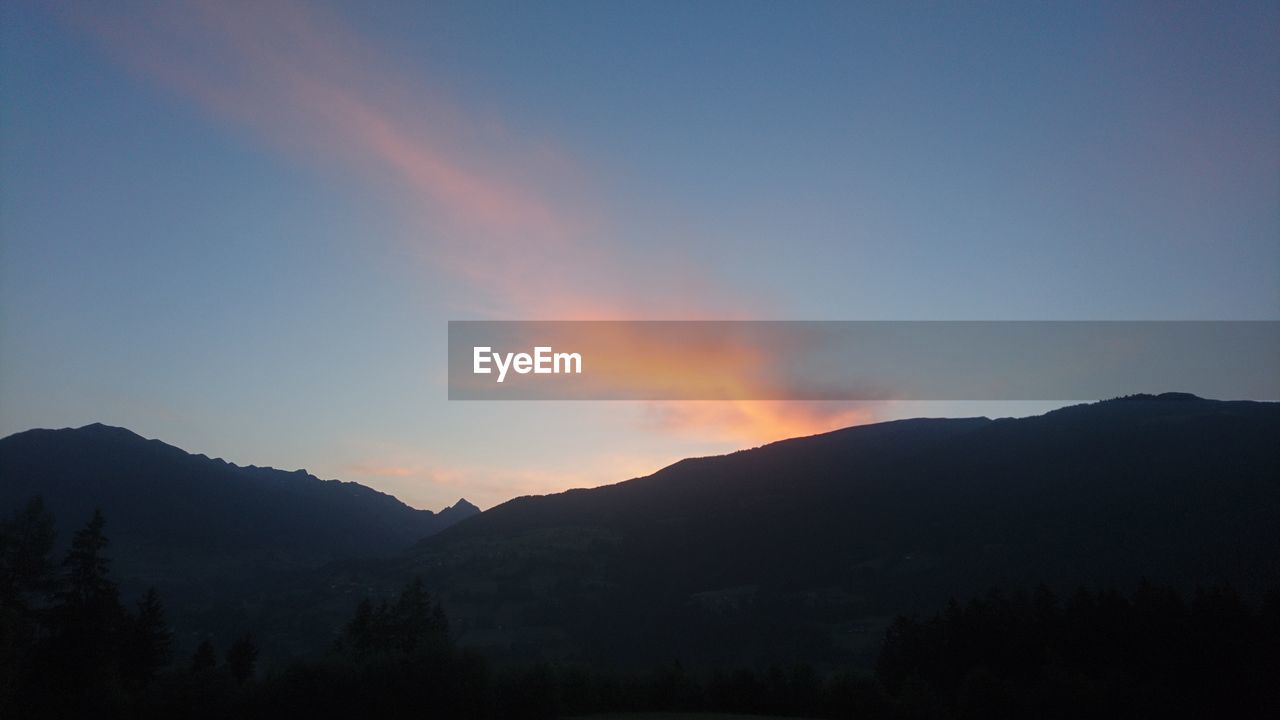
204, 658
242, 657
149, 644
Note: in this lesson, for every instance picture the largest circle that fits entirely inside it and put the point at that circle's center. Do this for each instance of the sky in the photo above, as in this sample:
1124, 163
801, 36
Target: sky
242, 227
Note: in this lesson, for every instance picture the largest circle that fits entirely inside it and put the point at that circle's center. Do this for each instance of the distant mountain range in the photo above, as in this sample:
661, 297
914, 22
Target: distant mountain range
806, 548
219, 540
799, 550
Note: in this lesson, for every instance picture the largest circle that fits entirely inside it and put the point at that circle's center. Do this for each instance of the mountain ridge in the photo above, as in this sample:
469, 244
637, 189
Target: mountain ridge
816, 542
119, 433
825, 538
222, 542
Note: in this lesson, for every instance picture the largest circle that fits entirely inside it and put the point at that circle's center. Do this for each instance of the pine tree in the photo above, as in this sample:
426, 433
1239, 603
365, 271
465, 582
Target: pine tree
149, 644
86, 567
26, 548
89, 608
204, 658
412, 625
418, 626
357, 636
26, 579
411, 617
241, 658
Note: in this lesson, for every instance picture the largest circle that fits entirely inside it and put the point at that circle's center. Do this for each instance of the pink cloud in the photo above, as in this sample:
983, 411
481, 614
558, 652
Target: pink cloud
381, 470
509, 218
300, 81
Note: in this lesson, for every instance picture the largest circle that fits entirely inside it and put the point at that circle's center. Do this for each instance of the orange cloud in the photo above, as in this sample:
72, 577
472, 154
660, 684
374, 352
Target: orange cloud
494, 209
755, 422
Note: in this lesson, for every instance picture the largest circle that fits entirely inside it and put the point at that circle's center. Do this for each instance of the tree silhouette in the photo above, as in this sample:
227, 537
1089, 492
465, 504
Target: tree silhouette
149, 644
26, 579
26, 565
411, 626
26, 573
415, 624
204, 658
88, 617
85, 653
241, 658
358, 635
87, 583
1025, 654
1100, 653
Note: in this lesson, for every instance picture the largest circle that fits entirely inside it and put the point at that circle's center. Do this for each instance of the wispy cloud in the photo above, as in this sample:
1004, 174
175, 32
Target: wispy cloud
299, 80
508, 217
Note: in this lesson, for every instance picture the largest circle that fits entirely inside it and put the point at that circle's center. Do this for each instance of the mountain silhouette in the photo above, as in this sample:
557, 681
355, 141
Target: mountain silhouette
221, 541
807, 548
802, 550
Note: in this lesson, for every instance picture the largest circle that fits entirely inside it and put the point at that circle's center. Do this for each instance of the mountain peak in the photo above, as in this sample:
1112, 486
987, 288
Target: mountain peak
102, 430
463, 509
143, 483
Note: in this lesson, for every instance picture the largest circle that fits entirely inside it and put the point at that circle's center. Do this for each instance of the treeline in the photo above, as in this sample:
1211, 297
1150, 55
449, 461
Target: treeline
70, 648
1155, 654
67, 644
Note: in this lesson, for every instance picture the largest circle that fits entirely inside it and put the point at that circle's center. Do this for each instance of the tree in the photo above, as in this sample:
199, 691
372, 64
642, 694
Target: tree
357, 636
241, 658
86, 568
26, 579
412, 618
204, 658
149, 644
89, 613
411, 626
26, 549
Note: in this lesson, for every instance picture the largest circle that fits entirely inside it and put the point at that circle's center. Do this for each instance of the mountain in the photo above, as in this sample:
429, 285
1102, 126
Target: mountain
220, 541
805, 549
800, 550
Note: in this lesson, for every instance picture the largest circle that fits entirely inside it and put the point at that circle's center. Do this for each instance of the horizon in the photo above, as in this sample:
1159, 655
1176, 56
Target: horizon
242, 227
1168, 395
816, 359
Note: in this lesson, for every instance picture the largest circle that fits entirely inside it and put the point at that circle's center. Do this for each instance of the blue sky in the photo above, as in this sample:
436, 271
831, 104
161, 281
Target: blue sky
241, 228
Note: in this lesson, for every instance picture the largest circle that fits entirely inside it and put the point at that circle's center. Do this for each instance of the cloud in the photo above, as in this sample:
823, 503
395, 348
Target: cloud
381, 470
755, 421
511, 219
300, 81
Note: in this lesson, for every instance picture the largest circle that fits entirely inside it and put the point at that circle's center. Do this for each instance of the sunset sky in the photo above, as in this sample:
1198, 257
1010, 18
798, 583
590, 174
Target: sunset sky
242, 227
